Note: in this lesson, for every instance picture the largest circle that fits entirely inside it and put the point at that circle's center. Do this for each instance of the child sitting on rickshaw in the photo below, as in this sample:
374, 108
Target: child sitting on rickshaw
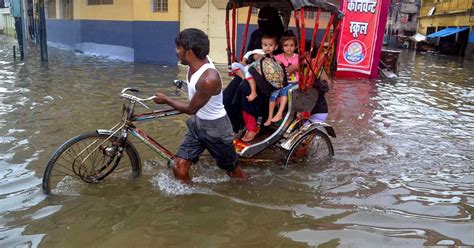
269, 45
290, 60
266, 67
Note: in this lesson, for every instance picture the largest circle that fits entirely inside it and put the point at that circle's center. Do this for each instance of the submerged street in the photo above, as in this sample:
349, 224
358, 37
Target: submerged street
402, 174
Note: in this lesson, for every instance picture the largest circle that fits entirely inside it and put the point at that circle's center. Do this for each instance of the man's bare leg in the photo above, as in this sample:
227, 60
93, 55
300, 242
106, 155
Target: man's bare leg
181, 170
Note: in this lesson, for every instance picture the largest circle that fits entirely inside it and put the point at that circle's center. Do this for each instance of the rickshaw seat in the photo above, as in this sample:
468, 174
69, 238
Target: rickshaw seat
303, 101
298, 101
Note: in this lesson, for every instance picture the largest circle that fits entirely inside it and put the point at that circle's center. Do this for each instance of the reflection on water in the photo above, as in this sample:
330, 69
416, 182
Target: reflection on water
402, 174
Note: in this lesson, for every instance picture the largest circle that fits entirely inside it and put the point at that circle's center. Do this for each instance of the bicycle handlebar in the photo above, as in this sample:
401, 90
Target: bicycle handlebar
177, 83
135, 98
135, 90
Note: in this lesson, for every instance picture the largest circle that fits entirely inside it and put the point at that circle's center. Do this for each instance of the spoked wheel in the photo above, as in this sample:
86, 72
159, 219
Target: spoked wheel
88, 158
313, 148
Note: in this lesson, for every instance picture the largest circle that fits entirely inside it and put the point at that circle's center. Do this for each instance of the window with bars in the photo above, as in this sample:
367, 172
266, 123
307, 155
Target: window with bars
326, 16
309, 14
100, 2
160, 5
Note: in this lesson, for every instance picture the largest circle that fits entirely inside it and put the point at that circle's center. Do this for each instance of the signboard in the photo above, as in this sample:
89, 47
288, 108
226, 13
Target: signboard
358, 35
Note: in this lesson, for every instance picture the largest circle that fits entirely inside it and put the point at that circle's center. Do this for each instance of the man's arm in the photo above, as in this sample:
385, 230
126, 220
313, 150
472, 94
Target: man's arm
207, 87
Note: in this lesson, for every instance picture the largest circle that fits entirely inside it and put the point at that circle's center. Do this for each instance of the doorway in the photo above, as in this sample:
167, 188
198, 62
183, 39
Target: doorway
67, 9
209, 16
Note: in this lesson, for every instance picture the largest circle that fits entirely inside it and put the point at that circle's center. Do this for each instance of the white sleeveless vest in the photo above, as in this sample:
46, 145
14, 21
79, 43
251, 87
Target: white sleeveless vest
214, 108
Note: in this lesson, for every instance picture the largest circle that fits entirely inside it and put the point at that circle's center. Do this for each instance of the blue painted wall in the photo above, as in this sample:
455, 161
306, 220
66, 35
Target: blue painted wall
118, 33
240, 33
153, 42
61, 31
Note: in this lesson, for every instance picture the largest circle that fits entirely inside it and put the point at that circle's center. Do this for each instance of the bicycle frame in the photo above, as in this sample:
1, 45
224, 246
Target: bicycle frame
129, 120
145, 138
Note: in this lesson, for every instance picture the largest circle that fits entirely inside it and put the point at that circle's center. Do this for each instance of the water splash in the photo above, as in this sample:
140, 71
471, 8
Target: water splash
170, 186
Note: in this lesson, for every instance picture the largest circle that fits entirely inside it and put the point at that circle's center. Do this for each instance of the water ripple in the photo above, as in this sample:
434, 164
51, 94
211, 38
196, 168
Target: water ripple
402, 174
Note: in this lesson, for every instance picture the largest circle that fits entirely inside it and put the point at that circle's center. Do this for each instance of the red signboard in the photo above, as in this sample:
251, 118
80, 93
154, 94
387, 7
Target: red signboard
358, 35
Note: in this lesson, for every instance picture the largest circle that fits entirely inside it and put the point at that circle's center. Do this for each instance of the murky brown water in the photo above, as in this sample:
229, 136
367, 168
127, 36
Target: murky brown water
403, 174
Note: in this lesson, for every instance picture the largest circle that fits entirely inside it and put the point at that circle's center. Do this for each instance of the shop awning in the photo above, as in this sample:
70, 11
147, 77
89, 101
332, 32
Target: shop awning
446, 32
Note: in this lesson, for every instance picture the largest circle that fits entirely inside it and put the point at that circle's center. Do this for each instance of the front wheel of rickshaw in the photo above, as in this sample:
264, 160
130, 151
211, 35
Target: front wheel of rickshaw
313, 148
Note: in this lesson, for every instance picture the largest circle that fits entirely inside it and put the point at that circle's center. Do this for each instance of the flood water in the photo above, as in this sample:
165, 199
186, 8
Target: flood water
402, 175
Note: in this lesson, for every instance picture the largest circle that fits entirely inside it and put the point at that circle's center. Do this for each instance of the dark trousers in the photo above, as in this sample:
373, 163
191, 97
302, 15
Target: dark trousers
235, 101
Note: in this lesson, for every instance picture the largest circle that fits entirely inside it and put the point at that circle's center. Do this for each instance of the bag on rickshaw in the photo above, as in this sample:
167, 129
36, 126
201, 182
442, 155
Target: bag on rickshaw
269, 75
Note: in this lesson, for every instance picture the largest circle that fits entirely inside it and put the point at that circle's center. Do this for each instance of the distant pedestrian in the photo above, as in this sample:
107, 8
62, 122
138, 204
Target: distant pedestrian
15, 10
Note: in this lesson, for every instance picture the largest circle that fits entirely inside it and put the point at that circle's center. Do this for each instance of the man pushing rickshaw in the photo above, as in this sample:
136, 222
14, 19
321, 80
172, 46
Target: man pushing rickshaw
299, 129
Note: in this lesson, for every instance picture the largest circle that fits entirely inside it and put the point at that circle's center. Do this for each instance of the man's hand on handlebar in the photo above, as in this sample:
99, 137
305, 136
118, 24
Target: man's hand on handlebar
160, 98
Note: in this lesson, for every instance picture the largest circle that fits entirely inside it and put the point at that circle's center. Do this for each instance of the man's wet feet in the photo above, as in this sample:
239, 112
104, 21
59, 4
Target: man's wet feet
238, 173
181, 172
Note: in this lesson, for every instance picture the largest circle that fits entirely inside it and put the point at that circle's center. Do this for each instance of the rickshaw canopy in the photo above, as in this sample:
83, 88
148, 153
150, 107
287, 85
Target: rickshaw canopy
286, 8
286, 5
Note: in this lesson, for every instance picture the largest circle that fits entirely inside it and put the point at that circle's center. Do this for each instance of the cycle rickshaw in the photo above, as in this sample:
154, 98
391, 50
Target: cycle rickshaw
91, 157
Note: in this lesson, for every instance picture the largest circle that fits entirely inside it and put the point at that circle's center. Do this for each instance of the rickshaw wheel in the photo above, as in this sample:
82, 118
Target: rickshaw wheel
313, 148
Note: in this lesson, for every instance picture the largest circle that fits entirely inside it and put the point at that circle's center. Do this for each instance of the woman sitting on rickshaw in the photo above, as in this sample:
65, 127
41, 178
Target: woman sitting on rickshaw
244, 113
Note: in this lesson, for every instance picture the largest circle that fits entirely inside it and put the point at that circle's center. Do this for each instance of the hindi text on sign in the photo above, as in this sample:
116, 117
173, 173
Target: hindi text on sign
357, 28
362, 6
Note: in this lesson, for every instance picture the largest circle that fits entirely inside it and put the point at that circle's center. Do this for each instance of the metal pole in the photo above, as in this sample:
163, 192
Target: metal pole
390, 26
24, 29
43, 41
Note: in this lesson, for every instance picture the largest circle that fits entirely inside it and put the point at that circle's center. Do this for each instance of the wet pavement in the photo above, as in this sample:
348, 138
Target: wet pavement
402, 176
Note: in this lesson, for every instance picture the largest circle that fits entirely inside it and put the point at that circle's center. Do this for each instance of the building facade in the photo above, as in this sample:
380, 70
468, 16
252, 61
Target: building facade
437, 15
402, 21
130, 30
143, 30
7, 23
